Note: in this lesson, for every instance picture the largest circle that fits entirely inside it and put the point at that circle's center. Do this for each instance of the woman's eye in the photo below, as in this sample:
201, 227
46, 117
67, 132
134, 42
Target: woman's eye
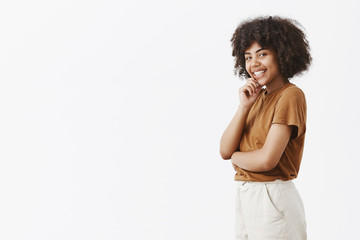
262, 54
247, 58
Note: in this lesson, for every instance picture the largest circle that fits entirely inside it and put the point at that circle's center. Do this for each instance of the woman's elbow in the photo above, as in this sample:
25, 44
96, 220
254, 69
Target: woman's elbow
270, 163
225, 155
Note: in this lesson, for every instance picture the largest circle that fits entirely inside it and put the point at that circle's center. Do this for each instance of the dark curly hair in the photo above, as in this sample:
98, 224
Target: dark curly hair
280, 34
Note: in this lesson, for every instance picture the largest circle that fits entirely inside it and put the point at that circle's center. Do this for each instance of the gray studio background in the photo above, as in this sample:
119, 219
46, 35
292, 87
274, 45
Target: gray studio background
111, 113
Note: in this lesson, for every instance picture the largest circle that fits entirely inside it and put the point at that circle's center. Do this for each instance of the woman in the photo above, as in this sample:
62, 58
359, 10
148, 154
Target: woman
265, 138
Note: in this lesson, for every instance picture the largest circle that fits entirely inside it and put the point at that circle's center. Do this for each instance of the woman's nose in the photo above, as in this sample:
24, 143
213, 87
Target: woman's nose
255, 62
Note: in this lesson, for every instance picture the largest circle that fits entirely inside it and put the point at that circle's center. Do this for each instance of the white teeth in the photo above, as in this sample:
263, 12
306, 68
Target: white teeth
259, 72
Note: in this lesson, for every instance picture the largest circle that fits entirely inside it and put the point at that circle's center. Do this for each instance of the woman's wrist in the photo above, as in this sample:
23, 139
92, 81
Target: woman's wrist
244, 108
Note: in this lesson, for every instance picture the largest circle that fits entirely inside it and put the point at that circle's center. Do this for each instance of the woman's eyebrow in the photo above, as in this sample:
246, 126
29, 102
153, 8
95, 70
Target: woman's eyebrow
256, 50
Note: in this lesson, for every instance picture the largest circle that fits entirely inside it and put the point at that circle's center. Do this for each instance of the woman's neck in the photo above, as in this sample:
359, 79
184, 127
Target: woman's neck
276, 84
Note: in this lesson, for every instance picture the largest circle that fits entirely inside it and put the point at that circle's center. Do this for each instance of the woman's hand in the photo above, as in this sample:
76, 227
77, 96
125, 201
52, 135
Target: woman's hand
248, 93
234, 166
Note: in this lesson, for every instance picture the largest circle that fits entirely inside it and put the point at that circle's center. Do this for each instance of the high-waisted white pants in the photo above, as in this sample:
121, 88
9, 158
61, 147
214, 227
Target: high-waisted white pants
268, 211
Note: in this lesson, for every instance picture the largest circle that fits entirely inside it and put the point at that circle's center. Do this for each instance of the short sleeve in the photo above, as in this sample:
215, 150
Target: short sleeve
291, 110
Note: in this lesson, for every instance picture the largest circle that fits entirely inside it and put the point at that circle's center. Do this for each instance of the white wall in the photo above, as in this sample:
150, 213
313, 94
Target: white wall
112, 113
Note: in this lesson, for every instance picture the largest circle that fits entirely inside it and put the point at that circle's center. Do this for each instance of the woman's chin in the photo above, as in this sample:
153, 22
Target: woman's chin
261, 82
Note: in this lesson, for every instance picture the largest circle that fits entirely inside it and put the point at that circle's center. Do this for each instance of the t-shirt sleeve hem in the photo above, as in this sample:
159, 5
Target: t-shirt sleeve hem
300, 130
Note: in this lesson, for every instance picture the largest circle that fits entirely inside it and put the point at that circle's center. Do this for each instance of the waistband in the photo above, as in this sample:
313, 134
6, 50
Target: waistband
277, 181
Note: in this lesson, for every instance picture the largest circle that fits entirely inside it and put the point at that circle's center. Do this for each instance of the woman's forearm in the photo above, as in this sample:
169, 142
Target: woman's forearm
252, 161
267, 157
231, 137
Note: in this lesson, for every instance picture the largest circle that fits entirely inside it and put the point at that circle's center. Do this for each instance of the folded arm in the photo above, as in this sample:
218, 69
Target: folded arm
267, 157
231, 137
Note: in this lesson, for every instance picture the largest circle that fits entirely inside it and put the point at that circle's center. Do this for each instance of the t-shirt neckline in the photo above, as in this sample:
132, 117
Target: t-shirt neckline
277, 90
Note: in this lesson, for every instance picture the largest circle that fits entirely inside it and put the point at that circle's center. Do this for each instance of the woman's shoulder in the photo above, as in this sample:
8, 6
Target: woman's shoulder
293, 90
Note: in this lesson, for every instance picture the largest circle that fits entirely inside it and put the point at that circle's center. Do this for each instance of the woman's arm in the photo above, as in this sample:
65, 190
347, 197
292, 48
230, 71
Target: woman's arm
267, 157
231, 137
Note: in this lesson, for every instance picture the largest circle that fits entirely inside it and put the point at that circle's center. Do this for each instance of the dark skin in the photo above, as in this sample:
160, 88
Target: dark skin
262, 64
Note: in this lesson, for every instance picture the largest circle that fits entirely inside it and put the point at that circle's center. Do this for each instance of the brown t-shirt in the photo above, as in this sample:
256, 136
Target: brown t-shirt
286, 105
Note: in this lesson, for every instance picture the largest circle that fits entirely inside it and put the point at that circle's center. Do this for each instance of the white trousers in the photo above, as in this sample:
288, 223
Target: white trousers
268, 211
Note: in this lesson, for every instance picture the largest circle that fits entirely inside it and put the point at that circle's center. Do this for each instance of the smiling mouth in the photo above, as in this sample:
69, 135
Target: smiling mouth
259, 74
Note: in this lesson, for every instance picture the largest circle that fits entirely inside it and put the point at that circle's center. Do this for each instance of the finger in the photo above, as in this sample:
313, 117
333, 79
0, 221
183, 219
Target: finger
243, 89
255, 83
245, 86
250, 89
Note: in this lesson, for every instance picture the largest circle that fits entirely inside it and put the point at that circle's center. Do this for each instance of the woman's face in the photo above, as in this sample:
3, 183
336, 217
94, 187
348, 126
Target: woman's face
262, 64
